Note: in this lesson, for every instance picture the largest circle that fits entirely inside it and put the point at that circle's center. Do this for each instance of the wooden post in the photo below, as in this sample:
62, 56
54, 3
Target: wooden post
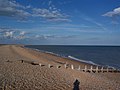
65, 65
97, 69
49, 66
40, 64
91, 68
79, 67
107, 69
102, 69
58, 66
72, 67
85, 68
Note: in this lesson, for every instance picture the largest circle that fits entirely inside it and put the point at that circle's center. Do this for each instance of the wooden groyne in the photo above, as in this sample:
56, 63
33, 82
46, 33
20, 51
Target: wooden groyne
85, 68
92, 69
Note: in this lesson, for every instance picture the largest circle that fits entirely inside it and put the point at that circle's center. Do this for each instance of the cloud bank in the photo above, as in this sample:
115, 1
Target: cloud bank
50, 15
10, 8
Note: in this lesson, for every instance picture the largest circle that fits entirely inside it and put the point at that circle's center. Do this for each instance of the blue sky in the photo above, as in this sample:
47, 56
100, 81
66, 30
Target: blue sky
60, 22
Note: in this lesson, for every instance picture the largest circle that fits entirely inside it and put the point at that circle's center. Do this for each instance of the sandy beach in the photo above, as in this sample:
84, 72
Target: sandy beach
26, 69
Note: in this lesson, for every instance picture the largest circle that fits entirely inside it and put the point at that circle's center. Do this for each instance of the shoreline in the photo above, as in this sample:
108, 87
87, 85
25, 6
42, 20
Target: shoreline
71, 58
65, 57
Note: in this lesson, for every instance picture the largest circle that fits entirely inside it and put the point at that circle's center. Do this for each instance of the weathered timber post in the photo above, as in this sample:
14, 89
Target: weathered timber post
91, 68
107, 69
49, 66
79, 67
102, 69
65, 65
40, 64
72, 67
58, 66
85, 68
97, 69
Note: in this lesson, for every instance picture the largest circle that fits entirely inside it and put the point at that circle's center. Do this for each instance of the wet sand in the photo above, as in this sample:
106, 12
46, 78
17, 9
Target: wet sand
20, 70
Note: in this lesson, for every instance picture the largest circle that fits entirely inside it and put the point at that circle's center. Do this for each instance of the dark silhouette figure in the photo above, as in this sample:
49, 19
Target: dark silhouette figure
76, 85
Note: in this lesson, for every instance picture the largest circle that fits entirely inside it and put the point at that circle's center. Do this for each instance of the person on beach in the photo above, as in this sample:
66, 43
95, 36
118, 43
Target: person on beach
76, 85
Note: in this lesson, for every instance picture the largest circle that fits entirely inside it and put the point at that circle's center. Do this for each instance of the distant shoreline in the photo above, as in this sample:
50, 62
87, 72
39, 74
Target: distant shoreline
66, 45
64, 56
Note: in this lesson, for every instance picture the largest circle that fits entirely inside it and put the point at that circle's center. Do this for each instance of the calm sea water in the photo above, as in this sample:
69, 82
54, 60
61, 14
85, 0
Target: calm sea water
103, 55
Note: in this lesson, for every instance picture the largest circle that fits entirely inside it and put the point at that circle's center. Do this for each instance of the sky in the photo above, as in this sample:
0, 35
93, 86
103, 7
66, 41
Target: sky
60, 22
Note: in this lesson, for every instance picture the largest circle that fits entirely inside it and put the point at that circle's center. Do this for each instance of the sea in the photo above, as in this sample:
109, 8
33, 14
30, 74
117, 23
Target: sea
100, 55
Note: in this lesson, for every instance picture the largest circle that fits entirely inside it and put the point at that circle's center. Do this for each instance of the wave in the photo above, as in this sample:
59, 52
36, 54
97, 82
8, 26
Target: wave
89, 62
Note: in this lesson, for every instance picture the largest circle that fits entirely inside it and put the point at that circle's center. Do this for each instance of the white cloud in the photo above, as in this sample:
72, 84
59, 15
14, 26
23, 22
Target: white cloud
60, 20
49, 15
115, 12
53, 36
44, 36
114, 15
13, 34
9, 34
22, 33
12, 9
